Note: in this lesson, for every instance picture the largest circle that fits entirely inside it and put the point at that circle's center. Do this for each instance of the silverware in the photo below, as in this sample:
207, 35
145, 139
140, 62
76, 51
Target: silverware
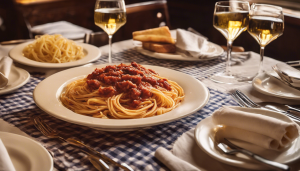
245, 101
280, 107
293, 63
281, 75
229, 148
51, 133
276, 74
98, 163
291, 73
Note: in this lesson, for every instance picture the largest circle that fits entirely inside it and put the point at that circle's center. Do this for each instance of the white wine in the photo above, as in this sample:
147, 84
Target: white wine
109, 19
265, 29
231, 24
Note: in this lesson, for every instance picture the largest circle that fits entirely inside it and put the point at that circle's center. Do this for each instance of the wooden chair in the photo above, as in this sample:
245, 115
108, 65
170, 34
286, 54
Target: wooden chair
141, 16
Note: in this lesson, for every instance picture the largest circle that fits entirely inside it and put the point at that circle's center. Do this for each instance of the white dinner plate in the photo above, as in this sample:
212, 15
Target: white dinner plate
17, 78
204, 138
26, 154
47, 92
91, 52
273, 87
214, 51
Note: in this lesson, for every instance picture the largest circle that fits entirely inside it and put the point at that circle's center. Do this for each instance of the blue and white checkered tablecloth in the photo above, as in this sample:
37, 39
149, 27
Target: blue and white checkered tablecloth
136, 148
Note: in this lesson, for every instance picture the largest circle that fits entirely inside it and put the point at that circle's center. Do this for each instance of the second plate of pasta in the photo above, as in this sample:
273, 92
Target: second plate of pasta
48, 99
90, 54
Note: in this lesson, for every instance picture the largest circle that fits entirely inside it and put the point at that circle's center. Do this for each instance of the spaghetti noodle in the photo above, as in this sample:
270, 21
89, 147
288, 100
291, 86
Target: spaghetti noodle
53, 49
122, 92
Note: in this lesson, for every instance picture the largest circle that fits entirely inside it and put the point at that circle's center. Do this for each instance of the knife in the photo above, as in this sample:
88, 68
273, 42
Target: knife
293, 63
281, 107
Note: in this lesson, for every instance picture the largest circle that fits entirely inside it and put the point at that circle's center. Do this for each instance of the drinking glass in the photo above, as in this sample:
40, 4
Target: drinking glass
110, 15
266, 23
231, 19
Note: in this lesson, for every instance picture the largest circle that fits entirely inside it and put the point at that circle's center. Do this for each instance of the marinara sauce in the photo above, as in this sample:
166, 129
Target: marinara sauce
133, 79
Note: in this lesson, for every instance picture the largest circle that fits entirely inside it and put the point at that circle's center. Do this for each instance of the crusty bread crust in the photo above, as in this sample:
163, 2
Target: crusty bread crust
159, 47
161, 35
162, 31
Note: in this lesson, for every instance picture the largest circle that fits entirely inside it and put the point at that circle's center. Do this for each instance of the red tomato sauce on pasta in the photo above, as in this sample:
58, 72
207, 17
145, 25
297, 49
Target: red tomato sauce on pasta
134, 80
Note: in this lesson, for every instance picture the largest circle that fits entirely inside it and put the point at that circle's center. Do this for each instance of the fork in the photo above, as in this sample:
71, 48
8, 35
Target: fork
51, 133
245, 101
229, 148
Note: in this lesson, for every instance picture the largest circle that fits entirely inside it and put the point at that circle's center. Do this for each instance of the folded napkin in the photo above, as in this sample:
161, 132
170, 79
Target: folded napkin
5, 162
5, 67
172, 162
191, 45
66, 29
262, 130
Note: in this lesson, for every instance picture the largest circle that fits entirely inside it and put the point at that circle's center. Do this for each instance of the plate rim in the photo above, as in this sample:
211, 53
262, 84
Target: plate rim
16, 54
157, 55
236, 163
33, 143
124, 125
263, 91
23, 73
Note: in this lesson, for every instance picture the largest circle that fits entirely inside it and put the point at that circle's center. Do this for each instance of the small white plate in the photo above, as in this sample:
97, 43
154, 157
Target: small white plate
25, 153
204, 138
91, 52
17, 78
46, 97
214, 51
271, 86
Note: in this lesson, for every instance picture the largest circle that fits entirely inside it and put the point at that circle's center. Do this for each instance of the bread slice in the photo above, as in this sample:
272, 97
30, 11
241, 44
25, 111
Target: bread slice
159, 47
161, 35
162, 31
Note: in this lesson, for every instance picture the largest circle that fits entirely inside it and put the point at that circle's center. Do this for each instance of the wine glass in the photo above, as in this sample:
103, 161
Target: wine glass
110, 15
231, 19
266, 23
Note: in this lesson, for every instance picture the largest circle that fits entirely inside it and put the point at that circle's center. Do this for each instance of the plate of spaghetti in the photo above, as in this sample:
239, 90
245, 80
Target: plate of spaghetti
120, 97
54, 51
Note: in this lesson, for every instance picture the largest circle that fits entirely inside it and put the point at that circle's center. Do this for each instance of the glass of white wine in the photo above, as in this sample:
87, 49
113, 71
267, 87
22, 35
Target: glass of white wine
266, 23
110, 15
231, 19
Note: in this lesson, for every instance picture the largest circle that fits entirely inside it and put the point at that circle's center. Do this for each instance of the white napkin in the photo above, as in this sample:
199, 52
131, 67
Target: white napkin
257, 128
172, 162
5, 67
189, 44
66, 29
5, 162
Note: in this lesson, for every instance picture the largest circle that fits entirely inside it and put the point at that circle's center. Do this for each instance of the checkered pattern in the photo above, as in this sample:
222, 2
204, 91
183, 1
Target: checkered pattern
136, 148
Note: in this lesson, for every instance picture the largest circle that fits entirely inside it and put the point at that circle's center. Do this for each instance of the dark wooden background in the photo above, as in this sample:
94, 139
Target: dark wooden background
197, 14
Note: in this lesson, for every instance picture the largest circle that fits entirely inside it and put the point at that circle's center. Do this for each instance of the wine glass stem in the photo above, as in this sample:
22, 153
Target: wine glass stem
110, 49
261, 64
227, 69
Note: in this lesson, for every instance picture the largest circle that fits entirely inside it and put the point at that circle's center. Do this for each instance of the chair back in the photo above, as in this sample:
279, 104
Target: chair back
143, 15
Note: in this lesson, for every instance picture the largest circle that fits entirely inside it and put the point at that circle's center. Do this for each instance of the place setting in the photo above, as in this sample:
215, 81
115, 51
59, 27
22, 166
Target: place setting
160, 103
230, 135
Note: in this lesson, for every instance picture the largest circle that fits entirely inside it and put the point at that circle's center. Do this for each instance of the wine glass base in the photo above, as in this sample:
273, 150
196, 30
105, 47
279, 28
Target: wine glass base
223, 77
